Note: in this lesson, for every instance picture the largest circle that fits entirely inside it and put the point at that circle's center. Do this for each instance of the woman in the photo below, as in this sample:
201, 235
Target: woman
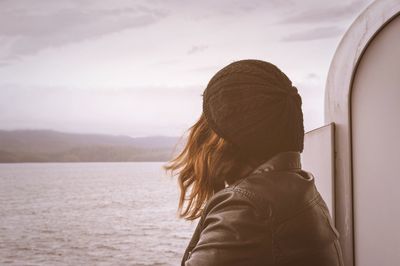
240, 173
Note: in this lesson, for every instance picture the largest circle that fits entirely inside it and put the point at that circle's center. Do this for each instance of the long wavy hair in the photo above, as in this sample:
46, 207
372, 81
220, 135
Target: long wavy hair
205, 165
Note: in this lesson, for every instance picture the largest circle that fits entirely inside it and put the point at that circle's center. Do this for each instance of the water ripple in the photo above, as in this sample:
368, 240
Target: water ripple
94, 214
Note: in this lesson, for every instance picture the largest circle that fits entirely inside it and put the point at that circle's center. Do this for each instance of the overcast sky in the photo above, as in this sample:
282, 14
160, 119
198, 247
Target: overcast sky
139, 68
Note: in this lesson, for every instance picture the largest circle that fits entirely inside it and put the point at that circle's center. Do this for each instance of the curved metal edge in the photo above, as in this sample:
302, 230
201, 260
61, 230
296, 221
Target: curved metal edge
338, 109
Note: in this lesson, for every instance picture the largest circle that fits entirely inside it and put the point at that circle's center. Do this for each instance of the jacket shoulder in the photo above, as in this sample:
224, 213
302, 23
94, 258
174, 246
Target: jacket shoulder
253, 223
283, 193
232, 231
302, 226
238, 196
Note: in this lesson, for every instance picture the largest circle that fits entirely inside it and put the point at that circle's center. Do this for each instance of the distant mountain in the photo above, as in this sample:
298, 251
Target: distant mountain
53, 146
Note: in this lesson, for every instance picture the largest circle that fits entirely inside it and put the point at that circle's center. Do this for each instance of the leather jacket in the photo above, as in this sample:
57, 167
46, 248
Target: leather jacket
274, 216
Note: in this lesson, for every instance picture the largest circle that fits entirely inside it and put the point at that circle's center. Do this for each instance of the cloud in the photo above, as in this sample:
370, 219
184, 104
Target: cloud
314, 34
326, 13
136, 111
27, 29
207, 68
311, 89
208, 8
197, 49
312, 76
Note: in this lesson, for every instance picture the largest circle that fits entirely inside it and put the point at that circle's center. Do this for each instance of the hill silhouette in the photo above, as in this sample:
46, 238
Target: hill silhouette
53, 146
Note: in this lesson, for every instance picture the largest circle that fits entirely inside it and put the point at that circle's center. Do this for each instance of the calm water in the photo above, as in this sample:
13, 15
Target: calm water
90, 214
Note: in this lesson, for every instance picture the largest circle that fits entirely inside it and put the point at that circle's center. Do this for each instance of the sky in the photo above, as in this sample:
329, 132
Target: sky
138, 68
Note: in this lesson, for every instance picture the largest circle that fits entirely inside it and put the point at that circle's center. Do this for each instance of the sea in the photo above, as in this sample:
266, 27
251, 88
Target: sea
90, 214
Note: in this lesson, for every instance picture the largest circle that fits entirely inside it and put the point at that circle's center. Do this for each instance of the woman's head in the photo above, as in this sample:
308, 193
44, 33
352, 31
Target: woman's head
204, 165
251, 112
253, 105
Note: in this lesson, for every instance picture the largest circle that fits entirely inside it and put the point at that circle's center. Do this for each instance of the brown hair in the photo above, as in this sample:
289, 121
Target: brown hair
204, 165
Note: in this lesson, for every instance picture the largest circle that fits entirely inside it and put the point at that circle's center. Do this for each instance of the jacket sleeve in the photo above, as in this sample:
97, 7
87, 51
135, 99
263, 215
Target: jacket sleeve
232, 233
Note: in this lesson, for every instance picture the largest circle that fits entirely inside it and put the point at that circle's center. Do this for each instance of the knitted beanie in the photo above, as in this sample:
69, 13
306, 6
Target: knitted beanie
253, 105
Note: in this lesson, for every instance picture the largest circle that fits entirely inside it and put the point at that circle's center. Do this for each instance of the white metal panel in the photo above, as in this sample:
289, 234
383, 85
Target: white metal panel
375, 107
337, 109
318, 158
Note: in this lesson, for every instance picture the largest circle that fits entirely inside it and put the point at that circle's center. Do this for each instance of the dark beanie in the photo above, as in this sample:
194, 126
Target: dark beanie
253, 105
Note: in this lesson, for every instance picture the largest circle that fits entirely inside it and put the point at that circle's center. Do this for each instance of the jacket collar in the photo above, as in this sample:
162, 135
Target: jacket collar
282, 161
